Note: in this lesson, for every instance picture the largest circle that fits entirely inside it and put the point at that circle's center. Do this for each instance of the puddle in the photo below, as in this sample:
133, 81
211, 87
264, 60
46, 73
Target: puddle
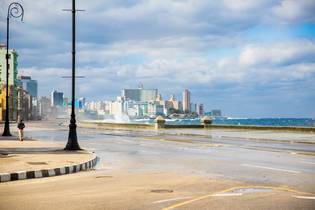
104, 176
162, 191
37, 163
252, 190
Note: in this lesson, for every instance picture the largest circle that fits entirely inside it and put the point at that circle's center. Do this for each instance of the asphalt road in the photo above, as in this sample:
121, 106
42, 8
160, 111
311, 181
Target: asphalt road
182, 169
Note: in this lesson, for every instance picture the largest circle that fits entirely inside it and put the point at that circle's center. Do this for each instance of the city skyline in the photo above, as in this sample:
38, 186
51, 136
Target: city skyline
248, 58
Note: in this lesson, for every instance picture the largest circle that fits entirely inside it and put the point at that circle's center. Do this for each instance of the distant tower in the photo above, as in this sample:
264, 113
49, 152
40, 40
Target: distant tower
56, 98
186, 100
159, 97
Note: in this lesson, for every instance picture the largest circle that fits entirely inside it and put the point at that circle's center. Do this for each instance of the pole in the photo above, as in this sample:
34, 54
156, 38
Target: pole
72, 143
6, 131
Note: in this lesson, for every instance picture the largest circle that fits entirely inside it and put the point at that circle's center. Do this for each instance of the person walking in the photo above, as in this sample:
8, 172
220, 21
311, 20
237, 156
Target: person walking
21, 126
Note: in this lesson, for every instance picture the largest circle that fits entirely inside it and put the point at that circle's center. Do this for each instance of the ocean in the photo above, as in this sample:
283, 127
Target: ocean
301, 122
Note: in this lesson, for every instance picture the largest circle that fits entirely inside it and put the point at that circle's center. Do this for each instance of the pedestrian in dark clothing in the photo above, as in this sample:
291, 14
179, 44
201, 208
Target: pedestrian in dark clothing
21, 126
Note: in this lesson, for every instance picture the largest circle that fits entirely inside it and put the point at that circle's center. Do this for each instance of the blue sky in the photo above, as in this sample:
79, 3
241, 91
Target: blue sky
248, 58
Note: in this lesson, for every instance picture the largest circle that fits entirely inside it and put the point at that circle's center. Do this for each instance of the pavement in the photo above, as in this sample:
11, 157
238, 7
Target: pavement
35, 159
175, 169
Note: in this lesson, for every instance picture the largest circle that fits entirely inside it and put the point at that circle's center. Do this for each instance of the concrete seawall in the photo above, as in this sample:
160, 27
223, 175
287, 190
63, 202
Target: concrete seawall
91, 124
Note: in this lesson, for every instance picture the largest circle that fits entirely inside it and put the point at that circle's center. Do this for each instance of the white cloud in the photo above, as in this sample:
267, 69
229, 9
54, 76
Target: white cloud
281, 53
294, 10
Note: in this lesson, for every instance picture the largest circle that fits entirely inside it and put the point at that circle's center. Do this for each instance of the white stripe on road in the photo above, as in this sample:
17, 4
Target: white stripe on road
270, 168
172, 199
307, 162
304, 197
226, 194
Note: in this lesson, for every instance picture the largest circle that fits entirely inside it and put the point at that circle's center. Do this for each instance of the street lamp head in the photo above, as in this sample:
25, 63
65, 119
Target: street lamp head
16, 10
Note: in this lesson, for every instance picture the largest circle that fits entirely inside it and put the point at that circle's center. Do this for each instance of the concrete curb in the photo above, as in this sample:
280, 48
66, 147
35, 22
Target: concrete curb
6, 177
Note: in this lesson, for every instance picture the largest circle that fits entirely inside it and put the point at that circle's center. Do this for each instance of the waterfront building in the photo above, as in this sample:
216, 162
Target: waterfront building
28, 84
193, 107
200, 110
12, 103
136, 108
186, 100
56, 98
24, 104
117, 107
66, 102
13, 71
13, 64
176, 104
159, 98
44, 107
155, 109
79, 103
140, 94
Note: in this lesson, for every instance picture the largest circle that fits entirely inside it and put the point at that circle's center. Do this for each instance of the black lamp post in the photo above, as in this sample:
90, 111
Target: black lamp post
72, 143
15, 10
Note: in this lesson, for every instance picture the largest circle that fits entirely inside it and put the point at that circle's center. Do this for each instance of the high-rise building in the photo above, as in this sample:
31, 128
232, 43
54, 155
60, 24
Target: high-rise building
56, 98
186, 100
79, 103
200, 110
28, 84
13, 71
44, 107
193, 107
140, 94
25, 105
13, 63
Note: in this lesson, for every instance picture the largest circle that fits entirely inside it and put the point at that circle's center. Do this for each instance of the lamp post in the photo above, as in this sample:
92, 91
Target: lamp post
15, 10
72, 143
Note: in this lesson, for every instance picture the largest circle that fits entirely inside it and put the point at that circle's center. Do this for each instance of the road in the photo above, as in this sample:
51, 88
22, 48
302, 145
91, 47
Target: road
182, 169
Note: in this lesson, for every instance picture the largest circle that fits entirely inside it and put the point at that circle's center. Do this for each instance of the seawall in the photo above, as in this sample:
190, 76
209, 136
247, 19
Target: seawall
93, 124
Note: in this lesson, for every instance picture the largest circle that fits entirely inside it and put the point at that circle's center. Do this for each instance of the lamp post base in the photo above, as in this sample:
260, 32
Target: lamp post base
6, 131
72, 139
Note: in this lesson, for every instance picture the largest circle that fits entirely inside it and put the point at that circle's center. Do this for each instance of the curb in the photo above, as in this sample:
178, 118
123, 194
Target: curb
6, 177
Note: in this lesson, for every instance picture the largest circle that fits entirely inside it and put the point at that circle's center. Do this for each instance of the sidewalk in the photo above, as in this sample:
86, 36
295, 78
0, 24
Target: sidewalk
35, 159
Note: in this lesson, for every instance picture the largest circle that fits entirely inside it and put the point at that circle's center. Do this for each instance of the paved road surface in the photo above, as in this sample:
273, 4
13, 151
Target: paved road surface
182, 169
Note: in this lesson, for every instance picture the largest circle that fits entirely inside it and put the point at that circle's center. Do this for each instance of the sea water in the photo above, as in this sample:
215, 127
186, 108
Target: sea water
301, 122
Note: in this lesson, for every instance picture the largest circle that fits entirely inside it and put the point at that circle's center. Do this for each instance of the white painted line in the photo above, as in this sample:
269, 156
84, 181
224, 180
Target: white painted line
226, 194
304, 197
307, 162
270, 168
172, 199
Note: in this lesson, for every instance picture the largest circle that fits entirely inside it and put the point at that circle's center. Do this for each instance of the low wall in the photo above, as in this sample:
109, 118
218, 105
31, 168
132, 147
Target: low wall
91, 124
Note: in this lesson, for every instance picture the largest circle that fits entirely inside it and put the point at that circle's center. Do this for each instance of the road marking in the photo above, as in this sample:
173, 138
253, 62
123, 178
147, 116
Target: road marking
172, 199
226, 194
197, 199
307, 162
270, 168
304, 197
282, 188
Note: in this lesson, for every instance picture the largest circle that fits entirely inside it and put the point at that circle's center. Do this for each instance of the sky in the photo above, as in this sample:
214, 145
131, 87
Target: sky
248, 58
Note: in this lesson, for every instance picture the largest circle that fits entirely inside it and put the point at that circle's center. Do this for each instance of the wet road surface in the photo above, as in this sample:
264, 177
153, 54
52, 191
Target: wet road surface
283, 160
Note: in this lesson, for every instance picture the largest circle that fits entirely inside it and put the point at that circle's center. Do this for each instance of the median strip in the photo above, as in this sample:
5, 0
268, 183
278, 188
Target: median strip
20, 175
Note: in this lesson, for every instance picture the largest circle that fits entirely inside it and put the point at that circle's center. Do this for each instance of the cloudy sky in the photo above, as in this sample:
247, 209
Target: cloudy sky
250, 58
